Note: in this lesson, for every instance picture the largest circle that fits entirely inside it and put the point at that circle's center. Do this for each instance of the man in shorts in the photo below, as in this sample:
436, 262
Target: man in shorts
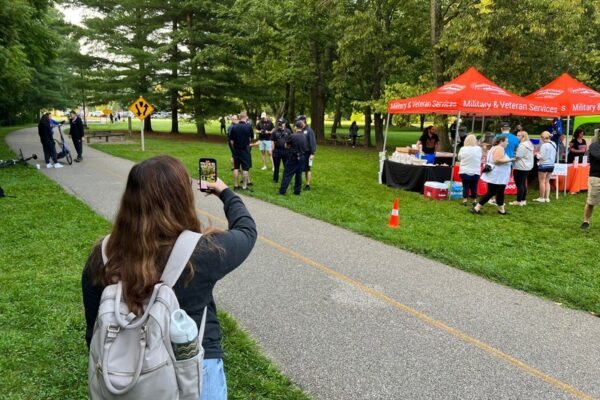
593, 184
265, 128
240, 137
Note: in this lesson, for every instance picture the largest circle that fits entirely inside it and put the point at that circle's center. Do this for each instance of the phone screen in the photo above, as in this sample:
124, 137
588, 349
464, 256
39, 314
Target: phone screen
208, 172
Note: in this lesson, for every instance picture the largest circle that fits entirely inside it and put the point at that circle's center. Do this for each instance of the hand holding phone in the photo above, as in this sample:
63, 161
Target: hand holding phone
207, 168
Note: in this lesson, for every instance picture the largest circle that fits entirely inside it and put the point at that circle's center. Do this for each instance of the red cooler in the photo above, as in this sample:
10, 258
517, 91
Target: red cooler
435, 191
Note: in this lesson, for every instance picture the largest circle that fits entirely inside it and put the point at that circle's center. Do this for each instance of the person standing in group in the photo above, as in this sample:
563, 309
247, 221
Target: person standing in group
157, 206
47, 140
310, 149
241, 134
546, 158
577, 147
498, 177
523, 164
353, 131
469, 157
233, 121
593, 197
264, 128
76, 132
296, 144
513, 141
429, 140
280, 152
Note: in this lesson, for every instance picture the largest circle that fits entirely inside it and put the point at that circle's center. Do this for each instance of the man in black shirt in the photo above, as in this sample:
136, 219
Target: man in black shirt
264, 128
593, 184
280, 153
76, 132
296, 145
240, 137
429, 140
309, 150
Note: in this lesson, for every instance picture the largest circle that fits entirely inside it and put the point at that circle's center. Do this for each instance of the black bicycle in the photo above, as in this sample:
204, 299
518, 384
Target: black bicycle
21, 160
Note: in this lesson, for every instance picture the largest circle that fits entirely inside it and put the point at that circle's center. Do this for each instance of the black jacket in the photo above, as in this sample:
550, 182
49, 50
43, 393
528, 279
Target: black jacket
241, 134
280, 137
594, 159
209, 266
76, 130
297, 144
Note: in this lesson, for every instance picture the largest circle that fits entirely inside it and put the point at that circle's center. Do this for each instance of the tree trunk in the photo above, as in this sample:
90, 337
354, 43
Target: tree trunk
368, 126
286, 102
378, 130
196, 90
200, 128
438, 64
292, 106
148, 124
337, 119
174, 75
422, 121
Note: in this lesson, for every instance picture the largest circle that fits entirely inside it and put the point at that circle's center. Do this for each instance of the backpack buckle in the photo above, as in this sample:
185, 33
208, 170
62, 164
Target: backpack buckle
112, 331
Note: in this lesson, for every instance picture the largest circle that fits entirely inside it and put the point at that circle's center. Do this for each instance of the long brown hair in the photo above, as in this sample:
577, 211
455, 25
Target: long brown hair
158, 204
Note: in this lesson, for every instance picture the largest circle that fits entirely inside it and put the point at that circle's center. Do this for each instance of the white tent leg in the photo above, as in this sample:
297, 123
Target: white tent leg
566, 155
382, 154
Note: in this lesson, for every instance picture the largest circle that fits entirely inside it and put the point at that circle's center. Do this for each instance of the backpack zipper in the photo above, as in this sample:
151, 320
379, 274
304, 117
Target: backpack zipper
127, 374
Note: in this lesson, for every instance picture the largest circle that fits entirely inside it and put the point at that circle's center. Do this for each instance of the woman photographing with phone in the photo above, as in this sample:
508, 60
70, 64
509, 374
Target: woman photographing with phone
157, 206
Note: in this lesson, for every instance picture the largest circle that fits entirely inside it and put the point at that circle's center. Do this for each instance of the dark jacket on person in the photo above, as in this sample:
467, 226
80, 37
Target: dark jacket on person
241, 134
265, 128
297, 143
210, 265
279, 137
44, 129
76, 130
594, 159
311, 140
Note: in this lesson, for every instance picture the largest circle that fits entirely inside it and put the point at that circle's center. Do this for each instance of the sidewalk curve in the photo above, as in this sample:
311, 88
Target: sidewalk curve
346, 317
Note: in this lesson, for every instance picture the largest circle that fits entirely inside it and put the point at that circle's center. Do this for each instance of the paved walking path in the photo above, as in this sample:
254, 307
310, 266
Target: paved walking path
346, 317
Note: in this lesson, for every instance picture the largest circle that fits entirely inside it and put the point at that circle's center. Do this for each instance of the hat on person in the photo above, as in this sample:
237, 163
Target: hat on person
301, 117
281, 121
263, 115
504, 125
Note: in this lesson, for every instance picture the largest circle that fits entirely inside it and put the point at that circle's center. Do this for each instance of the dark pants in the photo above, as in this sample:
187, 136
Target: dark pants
279, 156
77, 143
494, 190
49, 149
521, 182
353, 137
469, 185
293, 167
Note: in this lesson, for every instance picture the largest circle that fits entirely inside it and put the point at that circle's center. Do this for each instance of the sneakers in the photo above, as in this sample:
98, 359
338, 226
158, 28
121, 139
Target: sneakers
49, 165
492, 201
58, 165
263, 168
547, 200
585, 225
518, 203
78, 159
540, 200
307, 188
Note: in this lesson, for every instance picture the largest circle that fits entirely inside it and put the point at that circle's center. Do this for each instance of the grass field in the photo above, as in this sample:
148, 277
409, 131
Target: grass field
539, 248
45, 238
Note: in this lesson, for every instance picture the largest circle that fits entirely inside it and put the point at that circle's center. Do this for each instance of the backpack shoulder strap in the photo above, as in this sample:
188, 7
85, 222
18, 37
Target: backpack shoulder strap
180, 255
104, 244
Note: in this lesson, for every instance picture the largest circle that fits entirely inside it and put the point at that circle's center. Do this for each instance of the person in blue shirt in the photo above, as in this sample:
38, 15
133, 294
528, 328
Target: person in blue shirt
513, 140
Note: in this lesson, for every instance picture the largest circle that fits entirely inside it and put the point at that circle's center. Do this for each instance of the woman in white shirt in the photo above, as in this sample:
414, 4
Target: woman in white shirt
470, 168
546, 158
498, 177
523, 164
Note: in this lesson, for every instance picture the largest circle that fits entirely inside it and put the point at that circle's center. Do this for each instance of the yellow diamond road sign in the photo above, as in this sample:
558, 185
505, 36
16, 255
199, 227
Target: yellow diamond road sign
107, 111
141, 108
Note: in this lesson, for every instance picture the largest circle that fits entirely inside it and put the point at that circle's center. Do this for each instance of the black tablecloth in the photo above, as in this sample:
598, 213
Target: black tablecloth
413, 177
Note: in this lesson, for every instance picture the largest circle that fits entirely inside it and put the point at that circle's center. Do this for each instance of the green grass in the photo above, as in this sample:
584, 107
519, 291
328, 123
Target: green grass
45, 238
539, 248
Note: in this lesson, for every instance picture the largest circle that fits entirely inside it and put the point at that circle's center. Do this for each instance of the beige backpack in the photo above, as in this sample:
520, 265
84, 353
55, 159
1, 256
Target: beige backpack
131, 357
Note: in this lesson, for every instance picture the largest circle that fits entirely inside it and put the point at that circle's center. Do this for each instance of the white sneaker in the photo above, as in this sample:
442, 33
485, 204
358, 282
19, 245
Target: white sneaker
523, 203
492, 201
540, 200
58, 165
50, 165
547, 200
263, 168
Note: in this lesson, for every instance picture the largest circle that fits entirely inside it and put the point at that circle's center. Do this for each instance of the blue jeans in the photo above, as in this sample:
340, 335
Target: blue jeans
214, 386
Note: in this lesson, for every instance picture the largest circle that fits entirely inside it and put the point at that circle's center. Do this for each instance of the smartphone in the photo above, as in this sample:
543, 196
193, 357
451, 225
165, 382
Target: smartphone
208, 172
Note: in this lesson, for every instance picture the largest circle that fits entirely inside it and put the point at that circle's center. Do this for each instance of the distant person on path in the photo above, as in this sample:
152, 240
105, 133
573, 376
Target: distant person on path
264, 128
233, 121
469, 157
76, 133
523, 164
112, 118
241, 134
353, 133
280, 152
577, 147
546, 158
296, 144
47, 140
223, 126
157, 206
310, 149
593, 184
429, 140
498, 177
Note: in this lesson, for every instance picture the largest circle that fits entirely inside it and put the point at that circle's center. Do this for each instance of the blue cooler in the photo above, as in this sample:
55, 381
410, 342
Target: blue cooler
429, 157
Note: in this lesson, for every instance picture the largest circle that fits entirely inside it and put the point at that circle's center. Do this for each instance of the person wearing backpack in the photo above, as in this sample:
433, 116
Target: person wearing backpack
156, 221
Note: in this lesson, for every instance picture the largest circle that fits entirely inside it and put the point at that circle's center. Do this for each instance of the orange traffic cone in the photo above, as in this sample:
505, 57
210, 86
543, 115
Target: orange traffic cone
395, 216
